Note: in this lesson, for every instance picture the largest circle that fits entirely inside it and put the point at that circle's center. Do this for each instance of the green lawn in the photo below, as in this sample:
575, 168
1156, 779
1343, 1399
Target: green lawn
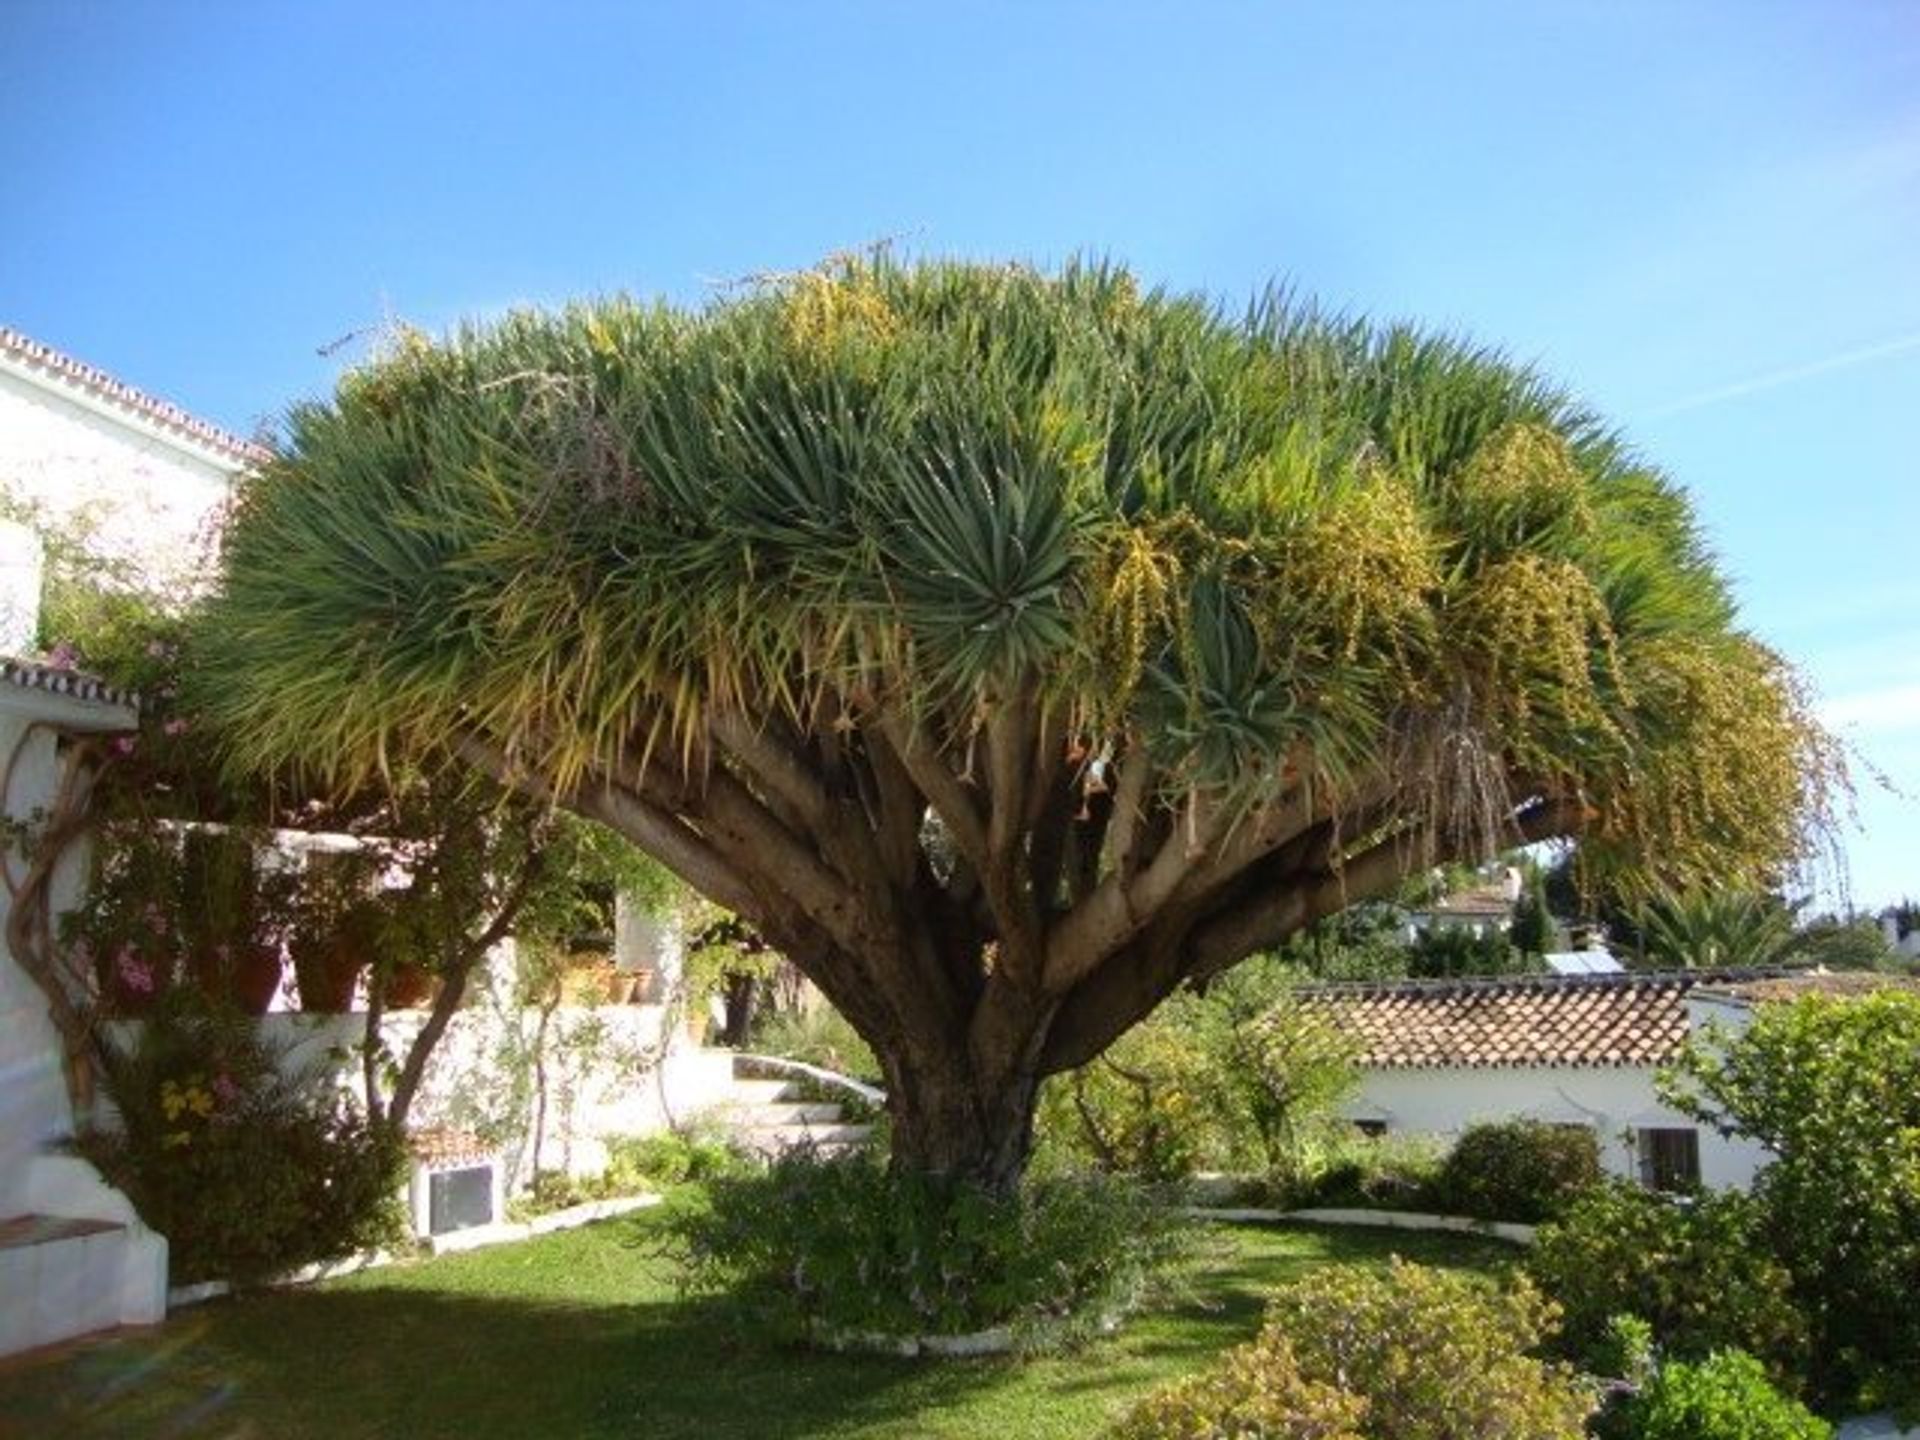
582, 1334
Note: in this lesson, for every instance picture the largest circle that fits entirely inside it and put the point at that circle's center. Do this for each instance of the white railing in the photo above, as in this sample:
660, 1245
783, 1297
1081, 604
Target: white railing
873, 1095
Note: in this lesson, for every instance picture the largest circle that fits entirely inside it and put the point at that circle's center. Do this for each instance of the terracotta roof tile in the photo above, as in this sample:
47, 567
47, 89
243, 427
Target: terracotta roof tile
1479, 1022
1843, 984
101, 385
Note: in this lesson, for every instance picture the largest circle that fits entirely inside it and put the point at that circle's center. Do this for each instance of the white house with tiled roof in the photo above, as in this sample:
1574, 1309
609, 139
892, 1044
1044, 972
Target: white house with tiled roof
1436, 1056
81, 448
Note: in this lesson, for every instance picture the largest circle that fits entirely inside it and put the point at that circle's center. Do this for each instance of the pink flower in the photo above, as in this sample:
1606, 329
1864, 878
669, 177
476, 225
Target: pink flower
124, 745
175, 726
135, 973
62, 657
224, 1090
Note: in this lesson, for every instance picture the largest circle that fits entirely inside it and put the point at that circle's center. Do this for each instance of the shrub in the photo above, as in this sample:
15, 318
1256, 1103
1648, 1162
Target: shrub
1409, 1354
1521, 1170
1255, 1393
1832, 1087
1725, 1397
640, 1162
1385, 1172
819, 1035
838, 1247
1238, 1077
247, 1173
1146, 1108
1692, 1268
1437, 1355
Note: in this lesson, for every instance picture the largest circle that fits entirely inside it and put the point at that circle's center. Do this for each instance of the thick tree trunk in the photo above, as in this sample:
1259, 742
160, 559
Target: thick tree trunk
951, 1122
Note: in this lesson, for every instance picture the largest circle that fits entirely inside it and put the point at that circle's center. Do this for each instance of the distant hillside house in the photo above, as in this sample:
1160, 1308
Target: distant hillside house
1479, 910
1439, 1055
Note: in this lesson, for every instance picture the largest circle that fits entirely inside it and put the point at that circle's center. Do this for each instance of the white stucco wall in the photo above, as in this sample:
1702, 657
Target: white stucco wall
1613, 1100
605, 1074
148, 494
33, 1097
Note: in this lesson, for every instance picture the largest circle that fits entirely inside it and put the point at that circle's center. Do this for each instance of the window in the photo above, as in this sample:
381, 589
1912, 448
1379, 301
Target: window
1670, 1158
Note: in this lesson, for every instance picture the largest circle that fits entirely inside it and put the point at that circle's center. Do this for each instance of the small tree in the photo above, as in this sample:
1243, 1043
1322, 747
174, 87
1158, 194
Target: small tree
1008, 649
1832, 1087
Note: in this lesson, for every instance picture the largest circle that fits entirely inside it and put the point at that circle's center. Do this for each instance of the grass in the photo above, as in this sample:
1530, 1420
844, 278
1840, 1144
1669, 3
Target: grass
582, 1334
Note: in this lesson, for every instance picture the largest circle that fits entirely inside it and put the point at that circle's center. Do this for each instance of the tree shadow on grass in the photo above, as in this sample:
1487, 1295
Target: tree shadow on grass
424, 1363
582, 1335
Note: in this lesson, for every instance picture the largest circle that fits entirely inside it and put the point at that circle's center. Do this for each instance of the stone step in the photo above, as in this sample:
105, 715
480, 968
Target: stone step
59, 1277
799, 1112
762, 1092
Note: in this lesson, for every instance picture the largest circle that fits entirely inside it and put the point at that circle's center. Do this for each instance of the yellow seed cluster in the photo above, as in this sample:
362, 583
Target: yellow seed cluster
1134, 581
1541, 629
1525, 479
1729, 749
1363, 567
824, 310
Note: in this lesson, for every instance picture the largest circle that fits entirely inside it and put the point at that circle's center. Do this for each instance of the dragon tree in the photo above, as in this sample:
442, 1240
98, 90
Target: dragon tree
1009, 647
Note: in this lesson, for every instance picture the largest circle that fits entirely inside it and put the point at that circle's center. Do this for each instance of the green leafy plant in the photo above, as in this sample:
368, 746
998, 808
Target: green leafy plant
247, 1172
1235, 1076
1347, 1169
1726, 1396
1696, 1270
1411, 1353
832, 1248
1832, 1087
1524, 1170
1255, 1392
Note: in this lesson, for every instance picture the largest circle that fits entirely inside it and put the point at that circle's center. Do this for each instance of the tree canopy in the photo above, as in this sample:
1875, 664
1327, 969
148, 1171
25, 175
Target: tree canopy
1010, 646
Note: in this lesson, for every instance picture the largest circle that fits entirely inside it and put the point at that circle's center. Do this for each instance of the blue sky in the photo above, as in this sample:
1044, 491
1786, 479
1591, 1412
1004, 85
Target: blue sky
1704, 217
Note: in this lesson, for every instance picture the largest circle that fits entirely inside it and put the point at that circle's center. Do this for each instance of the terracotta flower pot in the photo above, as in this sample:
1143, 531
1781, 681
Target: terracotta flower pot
409, 987
327, 974
246, 978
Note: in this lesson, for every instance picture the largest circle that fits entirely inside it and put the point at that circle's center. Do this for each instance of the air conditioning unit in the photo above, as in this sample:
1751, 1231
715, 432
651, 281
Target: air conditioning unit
457, 1185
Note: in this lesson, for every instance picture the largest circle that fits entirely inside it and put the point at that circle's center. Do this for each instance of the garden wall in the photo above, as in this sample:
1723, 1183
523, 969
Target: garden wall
545, 1088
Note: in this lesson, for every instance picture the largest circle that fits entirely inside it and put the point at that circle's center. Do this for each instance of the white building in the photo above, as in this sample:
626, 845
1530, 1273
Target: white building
1440, 1055
80, 453
74, 1257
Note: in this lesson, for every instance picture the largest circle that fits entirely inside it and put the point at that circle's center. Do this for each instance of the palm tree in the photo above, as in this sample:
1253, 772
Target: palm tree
1717, 929
1007, 648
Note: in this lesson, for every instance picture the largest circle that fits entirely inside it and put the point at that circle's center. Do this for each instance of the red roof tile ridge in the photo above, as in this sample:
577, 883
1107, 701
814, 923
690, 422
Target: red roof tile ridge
104, 386
1415, 987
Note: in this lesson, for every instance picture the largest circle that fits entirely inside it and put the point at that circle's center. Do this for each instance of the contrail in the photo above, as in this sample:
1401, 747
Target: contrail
1776, 378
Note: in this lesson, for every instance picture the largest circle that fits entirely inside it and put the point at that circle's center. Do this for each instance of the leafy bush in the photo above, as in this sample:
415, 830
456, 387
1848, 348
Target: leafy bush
248, 1174
1521, 1170
840, 1247
1411, 1353
1727, 1396
1693, 1269
1146, 1108
1436, 1354
819, 1036
1238, 1077
1367, 1172
1832, 1087
640, 1162
1256, 1392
